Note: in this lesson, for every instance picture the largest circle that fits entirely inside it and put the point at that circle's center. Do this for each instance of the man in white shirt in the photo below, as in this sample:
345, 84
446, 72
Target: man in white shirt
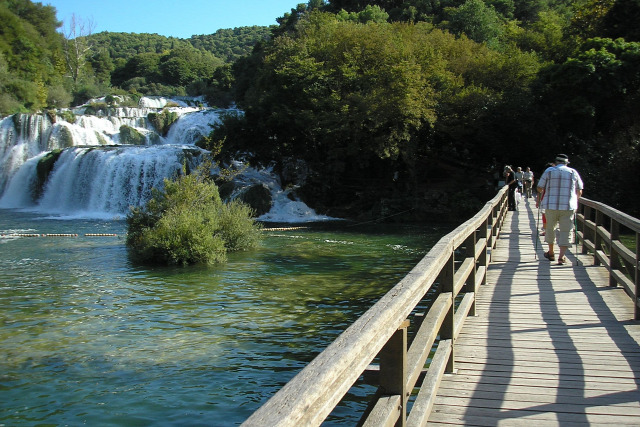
527, 177
559, 189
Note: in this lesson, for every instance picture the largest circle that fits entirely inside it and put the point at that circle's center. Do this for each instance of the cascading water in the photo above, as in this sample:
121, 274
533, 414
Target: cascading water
94, 175
22, 137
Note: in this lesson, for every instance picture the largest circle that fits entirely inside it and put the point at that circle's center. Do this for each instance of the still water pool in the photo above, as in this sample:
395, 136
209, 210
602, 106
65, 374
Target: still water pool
89, 338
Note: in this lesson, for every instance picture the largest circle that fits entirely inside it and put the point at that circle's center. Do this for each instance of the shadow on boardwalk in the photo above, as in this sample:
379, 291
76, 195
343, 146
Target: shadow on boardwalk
551, 344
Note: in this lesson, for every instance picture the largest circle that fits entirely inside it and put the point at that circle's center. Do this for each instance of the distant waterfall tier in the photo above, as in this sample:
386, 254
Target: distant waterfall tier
98, 159
99, 181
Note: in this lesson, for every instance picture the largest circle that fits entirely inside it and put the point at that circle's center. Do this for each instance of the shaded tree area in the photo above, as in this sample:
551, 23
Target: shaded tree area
594, 101
418, 104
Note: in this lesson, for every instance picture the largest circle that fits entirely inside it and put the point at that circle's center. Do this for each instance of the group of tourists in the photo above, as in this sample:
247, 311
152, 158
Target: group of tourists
558, 191
520, 185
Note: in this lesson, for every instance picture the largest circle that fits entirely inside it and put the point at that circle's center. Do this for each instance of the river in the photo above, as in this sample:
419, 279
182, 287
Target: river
89, 338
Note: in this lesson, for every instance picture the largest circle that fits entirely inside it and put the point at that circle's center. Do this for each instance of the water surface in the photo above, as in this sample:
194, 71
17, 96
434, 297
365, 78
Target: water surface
88, 337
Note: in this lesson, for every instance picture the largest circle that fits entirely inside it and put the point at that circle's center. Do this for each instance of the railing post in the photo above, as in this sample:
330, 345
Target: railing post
447, 331
483, 259
637, 278
470, 284
614, 259
597, 239
393, 369
586, 232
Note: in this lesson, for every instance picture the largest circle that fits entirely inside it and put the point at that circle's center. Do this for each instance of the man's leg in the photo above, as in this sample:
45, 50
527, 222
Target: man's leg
566, 222
550, 229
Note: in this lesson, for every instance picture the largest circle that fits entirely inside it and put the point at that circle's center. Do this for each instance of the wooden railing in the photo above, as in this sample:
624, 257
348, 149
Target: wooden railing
398, 334
598, 228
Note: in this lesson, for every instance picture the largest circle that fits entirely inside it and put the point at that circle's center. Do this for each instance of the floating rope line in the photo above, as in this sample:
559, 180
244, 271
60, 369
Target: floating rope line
284, 228
100, 234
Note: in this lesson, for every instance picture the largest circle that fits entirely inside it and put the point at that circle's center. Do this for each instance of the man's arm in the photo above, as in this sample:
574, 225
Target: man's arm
540, 195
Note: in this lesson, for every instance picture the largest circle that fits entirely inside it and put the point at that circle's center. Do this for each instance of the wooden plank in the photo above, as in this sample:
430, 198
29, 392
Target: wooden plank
541, 393
385, 413
457, 415
476, 380
426, 396
529, 404
550, 344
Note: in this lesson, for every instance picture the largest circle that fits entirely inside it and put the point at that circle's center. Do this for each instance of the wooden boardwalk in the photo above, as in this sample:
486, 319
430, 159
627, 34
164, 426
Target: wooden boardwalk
551, 345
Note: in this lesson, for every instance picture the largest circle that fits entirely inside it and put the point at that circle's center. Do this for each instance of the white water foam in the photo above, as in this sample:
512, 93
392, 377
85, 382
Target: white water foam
94, 179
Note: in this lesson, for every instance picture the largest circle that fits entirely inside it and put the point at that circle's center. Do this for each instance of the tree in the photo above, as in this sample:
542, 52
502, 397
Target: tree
594, 100
596, 90
29, 48
187, 223
102, 66
76, 46
368, 14
478, 21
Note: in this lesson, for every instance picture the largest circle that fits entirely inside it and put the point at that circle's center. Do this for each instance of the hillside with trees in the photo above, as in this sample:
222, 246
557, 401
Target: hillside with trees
45, 64
376, 107
418, 105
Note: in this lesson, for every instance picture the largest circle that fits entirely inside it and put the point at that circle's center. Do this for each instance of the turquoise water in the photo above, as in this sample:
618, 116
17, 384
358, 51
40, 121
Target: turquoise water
89, 338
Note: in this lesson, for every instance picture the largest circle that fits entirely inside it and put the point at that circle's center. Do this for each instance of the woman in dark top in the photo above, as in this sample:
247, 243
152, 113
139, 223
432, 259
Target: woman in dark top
510, 180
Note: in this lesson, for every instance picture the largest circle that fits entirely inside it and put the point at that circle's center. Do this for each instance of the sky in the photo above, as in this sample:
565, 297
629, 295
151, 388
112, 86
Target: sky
177, 18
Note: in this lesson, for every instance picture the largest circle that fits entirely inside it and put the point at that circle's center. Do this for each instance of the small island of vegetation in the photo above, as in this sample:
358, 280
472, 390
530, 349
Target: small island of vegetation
187, 223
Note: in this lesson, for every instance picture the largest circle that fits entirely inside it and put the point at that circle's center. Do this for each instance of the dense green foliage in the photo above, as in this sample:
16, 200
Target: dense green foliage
230, 44
29, 55
402, 102
187, 223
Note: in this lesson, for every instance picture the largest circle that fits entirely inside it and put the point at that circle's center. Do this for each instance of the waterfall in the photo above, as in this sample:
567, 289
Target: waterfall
22, 137
78, 166
109, 181
189, 128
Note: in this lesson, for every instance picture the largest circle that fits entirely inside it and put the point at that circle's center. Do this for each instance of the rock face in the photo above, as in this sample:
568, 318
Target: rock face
129, 135
43, 169
259, 197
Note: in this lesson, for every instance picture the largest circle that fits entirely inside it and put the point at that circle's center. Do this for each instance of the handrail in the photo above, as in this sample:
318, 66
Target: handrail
598, 228
453, 270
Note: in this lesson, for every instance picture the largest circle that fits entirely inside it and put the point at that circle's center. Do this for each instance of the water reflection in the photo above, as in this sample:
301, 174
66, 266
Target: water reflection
86, 337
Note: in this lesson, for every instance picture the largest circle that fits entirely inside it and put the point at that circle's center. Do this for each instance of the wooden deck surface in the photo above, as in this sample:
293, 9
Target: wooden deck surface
551, 345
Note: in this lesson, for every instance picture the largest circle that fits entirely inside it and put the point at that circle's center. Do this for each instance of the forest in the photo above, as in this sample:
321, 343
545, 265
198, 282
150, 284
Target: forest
406, 110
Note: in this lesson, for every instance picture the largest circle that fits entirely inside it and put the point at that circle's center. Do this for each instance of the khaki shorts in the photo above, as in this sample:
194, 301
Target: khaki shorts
564, 219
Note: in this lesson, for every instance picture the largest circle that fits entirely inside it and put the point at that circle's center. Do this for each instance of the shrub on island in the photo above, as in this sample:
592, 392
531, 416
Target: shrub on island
188, 223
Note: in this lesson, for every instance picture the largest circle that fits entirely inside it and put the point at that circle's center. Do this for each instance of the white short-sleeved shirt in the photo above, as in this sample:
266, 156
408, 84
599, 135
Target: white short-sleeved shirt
560, 184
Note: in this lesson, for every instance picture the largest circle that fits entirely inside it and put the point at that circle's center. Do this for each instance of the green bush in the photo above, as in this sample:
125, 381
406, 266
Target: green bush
129, 135
95, 108
10, 105
68, 116
163, 121
187, 223
59, 97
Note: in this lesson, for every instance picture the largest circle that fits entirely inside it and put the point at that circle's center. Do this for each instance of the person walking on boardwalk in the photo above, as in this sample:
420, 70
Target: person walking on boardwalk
512, 182
527, 177
559, 188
